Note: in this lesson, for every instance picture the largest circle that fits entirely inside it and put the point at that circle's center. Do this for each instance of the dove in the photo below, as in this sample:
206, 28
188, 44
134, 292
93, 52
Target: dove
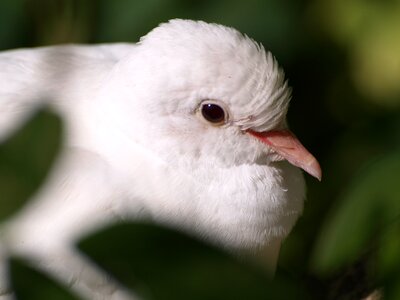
186, 128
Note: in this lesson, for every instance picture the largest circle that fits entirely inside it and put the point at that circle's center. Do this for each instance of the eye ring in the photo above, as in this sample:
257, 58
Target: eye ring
213, 112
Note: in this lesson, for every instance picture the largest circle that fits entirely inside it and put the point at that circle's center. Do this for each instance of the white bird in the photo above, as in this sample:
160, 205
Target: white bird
186, 128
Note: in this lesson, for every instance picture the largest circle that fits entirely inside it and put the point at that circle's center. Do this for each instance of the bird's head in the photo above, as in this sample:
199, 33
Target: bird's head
212, 95
205, 141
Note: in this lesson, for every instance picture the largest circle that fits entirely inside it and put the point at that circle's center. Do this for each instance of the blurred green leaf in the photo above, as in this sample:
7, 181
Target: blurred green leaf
29, 284
12, 22
162, 264
127, 20
389, 261
370, 204
25, 160
370, 32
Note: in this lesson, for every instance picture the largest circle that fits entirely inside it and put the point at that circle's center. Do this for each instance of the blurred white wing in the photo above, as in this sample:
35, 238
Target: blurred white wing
31, 77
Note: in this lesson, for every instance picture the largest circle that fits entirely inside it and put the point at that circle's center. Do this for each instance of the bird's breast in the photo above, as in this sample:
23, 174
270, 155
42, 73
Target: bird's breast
239, 207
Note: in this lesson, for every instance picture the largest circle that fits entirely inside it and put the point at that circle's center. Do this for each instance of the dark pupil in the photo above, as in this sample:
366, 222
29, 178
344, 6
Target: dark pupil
213, 113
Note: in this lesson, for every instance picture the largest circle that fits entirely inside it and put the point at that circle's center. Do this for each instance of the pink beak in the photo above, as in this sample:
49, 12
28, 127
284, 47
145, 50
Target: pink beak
286, 144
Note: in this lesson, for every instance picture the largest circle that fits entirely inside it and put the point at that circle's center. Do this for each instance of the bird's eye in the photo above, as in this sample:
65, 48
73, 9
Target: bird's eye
213, 113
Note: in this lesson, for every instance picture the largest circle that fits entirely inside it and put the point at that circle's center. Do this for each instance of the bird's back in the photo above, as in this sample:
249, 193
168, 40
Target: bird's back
51, 75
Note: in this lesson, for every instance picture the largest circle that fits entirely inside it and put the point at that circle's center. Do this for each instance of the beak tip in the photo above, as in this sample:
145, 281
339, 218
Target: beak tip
314, 169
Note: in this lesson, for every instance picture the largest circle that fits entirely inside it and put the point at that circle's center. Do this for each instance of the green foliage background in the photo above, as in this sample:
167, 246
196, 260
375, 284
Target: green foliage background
342, 59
